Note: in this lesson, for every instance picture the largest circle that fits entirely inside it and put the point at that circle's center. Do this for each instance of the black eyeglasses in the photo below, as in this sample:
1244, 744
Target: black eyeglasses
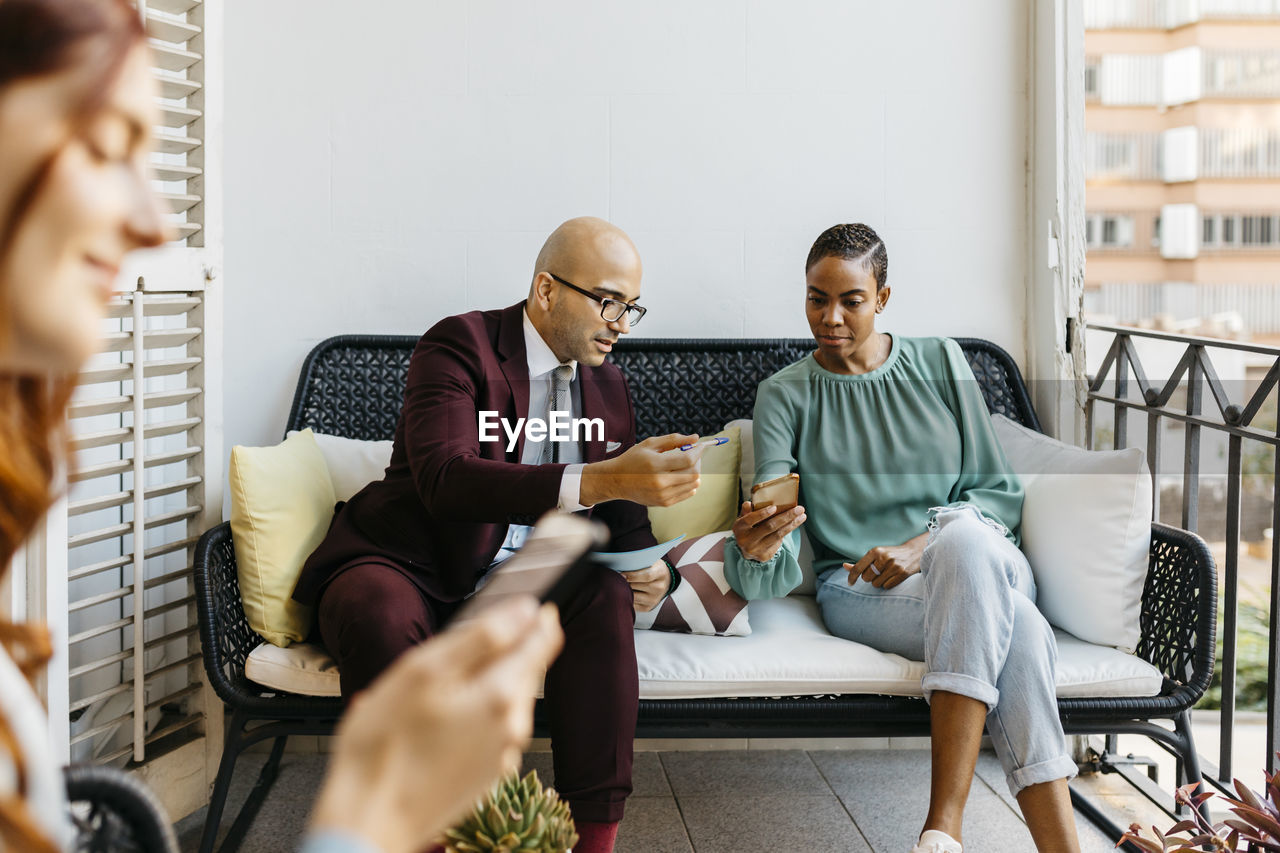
611, 310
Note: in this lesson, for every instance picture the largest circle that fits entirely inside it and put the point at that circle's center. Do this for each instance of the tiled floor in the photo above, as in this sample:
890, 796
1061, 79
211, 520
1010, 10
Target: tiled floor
756, 801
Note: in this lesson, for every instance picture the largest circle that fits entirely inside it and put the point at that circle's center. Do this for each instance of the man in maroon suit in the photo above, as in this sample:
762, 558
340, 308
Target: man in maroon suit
403, 552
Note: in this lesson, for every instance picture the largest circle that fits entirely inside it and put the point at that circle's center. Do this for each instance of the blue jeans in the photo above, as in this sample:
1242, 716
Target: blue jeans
970, 615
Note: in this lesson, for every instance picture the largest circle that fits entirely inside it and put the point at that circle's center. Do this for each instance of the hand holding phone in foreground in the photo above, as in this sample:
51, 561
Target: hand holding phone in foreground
416, 749
551, 565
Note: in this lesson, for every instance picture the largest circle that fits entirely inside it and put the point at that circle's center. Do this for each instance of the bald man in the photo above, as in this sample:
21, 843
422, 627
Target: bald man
454, 502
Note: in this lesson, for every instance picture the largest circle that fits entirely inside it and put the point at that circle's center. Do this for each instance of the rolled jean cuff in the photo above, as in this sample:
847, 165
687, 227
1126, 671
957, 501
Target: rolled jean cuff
1061, 767
597, 811
965, 685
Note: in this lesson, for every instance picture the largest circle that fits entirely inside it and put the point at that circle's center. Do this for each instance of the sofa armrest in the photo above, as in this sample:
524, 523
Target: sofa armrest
225, 636
113, 810
1180, 611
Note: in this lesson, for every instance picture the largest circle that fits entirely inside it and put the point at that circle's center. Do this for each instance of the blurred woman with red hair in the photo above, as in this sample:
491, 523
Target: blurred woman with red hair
77, 103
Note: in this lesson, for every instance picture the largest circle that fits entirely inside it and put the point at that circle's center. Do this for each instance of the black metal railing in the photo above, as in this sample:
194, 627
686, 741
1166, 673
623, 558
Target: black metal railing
1241, 412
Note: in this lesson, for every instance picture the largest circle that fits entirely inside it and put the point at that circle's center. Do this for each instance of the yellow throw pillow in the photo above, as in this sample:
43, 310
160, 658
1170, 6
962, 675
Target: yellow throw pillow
281, 505
715, 505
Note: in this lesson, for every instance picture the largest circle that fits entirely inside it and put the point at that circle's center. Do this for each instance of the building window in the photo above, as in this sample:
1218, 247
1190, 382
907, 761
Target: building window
1256, 231
1240, 231
1108, 231
1092, 70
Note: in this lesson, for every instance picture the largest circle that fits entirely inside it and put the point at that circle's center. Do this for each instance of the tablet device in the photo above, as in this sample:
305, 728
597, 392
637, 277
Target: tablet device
783, 492
554, 561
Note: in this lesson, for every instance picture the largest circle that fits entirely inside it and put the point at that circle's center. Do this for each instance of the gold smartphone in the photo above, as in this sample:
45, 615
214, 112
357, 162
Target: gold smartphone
783, 492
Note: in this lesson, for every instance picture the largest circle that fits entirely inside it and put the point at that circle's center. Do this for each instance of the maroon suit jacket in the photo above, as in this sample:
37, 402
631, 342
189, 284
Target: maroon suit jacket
441, 511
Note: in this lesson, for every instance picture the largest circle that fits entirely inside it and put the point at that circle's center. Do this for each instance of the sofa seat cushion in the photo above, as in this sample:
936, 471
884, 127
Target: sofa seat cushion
303, 668
788, 653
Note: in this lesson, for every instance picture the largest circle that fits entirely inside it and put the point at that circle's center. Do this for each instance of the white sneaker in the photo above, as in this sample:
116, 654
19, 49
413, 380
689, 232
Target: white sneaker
935, 841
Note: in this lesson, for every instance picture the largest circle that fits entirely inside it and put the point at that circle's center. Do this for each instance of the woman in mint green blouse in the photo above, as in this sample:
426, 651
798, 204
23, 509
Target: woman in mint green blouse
913, 514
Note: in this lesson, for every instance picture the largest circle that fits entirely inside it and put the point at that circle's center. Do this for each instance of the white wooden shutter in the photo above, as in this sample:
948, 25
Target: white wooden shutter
145, 479
134, 507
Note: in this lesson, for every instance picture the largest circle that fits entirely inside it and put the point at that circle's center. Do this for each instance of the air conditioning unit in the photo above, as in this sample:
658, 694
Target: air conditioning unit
1180, 154
1179, 231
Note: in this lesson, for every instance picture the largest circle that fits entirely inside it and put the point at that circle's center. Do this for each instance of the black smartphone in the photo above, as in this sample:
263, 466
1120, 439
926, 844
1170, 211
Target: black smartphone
554, 561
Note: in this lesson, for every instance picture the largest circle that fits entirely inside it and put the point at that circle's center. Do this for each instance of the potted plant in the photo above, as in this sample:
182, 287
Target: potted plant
1255, 827
517, 816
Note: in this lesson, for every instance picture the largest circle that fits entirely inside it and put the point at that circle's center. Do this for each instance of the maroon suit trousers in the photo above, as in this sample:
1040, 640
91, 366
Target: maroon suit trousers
371, 612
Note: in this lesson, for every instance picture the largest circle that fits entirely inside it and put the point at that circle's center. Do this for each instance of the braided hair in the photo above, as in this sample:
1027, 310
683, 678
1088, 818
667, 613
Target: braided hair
856, 242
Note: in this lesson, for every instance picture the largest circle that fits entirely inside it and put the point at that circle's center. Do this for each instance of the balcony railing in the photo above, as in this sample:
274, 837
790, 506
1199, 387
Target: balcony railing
1224, 471
1239, 153
1168, 14
1122, 157
1239, 9
1126, 14
1247, 307
1240, 74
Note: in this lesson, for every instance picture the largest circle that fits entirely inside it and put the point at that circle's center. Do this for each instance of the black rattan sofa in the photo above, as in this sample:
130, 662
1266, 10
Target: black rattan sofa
352, 386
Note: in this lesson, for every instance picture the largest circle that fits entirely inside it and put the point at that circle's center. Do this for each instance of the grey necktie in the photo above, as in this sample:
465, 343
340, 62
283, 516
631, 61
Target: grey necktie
558, 401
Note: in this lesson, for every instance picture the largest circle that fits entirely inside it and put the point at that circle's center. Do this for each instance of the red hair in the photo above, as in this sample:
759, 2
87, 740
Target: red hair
40, 37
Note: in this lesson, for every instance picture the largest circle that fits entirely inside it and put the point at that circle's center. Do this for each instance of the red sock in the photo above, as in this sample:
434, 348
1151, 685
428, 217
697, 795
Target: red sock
596, 837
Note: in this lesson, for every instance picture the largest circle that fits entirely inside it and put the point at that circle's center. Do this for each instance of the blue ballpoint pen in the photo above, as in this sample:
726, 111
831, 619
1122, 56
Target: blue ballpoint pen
706, 442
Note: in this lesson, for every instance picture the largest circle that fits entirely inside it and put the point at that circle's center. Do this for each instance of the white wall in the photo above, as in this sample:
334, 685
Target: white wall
391, 163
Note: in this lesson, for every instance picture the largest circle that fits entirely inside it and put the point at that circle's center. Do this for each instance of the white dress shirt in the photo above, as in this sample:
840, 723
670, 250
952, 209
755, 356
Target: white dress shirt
542, 361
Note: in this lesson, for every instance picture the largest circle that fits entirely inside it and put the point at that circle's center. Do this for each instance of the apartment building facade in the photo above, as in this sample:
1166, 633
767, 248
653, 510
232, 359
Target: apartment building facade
1182, 125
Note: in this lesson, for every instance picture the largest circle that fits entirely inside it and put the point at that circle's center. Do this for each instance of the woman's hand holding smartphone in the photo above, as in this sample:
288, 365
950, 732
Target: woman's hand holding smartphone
765, 520
782, 493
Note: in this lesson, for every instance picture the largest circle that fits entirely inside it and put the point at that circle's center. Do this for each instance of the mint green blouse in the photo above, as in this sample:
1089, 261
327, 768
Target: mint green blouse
875, 453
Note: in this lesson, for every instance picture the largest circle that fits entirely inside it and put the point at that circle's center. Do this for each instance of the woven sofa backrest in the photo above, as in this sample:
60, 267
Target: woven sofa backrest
353, 385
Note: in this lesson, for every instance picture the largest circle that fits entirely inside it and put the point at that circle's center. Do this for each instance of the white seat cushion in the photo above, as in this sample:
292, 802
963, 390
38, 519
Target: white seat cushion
303, 668
788, 653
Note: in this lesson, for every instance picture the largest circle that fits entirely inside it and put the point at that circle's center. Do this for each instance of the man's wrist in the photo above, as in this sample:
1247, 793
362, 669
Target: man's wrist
673, 581
594, 484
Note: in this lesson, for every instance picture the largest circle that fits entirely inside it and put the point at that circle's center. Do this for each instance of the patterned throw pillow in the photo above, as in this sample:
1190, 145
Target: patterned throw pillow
704, 602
